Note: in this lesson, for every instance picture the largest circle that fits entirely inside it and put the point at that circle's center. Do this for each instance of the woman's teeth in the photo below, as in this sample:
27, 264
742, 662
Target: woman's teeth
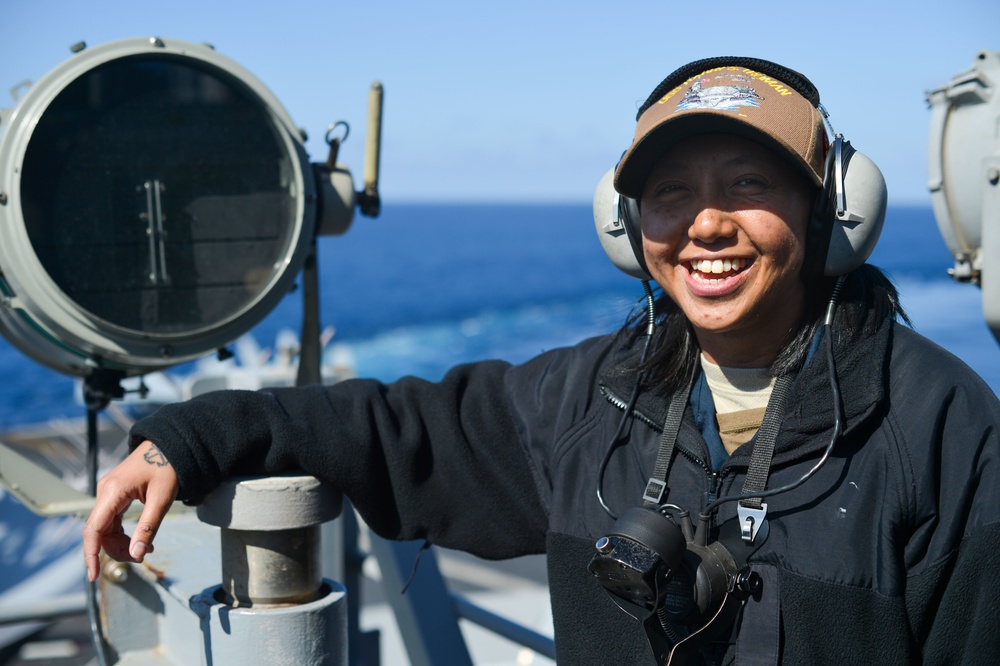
717, 266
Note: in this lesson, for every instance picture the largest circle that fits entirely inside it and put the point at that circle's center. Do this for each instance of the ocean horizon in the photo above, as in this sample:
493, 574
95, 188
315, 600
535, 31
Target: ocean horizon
429, 285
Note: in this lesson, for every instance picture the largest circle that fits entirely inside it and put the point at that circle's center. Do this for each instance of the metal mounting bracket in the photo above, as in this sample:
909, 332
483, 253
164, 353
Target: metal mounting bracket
751, 520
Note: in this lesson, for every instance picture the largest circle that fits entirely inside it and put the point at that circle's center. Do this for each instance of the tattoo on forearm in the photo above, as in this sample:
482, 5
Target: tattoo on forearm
154, 457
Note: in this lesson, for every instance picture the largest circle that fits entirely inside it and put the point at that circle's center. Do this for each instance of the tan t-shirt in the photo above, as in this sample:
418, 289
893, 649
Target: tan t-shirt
740, 396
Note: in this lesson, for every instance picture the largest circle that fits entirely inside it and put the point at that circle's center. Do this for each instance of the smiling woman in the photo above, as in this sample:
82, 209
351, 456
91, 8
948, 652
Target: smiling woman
723, 224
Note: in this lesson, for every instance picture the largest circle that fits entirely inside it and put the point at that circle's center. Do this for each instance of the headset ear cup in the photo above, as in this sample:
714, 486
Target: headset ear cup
616, 219
848, 213
628, 210
818, 235
855, 228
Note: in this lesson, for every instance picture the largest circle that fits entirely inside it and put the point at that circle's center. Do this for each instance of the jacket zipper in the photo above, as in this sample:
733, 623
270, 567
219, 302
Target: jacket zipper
622, 405
715, 478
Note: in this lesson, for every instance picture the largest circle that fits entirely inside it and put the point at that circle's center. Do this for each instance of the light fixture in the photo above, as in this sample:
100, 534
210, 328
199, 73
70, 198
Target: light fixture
156, 202
964, 176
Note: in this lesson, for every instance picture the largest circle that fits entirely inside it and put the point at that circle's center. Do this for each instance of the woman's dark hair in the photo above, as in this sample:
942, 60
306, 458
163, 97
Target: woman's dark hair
867, 299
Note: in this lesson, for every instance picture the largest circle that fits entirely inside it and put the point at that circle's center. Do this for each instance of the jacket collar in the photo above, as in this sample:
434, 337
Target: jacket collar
862, 369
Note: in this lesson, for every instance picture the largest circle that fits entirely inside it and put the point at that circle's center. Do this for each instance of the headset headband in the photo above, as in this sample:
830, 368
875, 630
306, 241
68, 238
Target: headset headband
772, 105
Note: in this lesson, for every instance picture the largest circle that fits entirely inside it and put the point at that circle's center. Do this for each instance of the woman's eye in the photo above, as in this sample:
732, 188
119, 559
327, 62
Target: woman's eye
667, 189
750, 183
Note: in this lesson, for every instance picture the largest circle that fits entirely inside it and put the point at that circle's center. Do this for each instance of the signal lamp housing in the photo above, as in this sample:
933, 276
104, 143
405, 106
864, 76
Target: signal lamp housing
156, 202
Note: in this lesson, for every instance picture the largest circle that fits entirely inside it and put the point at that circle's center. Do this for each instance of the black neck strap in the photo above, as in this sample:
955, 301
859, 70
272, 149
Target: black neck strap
760, 458
656, 487
763, 447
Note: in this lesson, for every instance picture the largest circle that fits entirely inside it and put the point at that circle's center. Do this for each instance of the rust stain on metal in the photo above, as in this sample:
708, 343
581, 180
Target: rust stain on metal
159, 573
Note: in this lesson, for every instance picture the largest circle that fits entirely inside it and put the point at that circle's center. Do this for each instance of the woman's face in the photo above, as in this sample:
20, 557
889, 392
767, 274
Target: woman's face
724, 224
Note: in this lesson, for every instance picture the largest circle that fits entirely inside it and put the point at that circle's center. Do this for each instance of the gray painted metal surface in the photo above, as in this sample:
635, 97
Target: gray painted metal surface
425, 613
42, 492
270, 536
170, 610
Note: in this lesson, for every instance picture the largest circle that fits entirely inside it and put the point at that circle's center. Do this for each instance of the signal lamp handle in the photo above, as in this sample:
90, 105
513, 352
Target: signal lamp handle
369, 199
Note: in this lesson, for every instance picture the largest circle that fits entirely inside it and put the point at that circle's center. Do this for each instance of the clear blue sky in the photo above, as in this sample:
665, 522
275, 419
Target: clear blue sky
533, 101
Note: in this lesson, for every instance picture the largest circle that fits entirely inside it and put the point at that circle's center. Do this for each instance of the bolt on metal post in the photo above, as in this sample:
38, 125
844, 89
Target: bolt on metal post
270, 533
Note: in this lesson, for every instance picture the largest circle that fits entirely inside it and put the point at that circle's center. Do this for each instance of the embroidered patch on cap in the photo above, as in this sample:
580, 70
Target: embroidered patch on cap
704, 95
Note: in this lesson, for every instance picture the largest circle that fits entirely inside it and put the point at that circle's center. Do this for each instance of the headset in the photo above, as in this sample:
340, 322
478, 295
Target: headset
685, 586
844, 226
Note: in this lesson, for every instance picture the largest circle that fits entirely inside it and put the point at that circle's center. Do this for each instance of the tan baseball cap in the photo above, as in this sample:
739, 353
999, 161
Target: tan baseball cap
751, 97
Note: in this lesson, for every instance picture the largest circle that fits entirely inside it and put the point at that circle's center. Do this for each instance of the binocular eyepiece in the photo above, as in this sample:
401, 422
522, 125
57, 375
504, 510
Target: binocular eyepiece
683, 589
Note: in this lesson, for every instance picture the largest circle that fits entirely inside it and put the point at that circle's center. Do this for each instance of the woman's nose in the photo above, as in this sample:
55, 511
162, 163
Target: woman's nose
710, 225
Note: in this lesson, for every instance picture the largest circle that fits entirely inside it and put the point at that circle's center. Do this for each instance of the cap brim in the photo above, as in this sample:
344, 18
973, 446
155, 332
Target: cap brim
632, 172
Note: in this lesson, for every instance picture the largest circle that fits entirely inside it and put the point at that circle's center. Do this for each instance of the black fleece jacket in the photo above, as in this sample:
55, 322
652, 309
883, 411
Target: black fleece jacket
891, 552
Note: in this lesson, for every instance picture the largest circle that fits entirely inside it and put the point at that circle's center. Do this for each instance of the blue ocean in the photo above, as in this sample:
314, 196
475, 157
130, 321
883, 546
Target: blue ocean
425, 286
